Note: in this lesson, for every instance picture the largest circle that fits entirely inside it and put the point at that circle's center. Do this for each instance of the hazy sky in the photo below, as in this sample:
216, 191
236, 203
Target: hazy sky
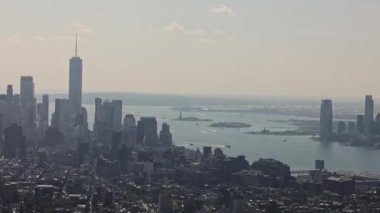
242, 47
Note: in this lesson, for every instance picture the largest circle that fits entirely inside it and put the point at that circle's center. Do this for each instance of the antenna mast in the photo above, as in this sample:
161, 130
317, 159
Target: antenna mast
76, 45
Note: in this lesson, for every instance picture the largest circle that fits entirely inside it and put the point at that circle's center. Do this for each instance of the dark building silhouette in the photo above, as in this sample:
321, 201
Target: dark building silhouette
108, 116
83, 149
39, 113
75, 82
147, 131
28, 102
9, 192
129, 123
341, 127
235, 164
207, 151
376, 125
339, 185
351, 127
107, 168
360, 124
62, 117
44, 195
116, 140
14, 142
9, 92
165, 135
1, 126
10, 107
45, 110
368, 113
129, 130
53, 137
272, 167
319, 164
165, 204
326, 120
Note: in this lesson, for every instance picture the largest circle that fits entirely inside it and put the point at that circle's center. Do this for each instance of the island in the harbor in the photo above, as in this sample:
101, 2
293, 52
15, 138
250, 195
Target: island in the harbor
181, 118
230, 125
282, 133
304, 128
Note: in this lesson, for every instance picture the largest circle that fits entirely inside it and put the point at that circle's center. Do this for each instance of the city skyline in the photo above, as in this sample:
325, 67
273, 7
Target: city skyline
189, 107
252, 48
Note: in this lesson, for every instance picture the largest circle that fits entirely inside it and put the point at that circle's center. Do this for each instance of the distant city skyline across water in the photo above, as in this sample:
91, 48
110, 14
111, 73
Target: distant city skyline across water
88, 98
274, 97
299, 152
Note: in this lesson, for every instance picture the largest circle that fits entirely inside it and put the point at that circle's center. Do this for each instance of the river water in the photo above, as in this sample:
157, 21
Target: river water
299, 152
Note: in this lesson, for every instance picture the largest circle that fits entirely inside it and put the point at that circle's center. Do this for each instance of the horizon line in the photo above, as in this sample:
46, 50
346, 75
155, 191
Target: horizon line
216, 95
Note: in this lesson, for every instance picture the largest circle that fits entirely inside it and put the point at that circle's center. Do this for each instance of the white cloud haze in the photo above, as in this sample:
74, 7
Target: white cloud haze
297, 48
223, 9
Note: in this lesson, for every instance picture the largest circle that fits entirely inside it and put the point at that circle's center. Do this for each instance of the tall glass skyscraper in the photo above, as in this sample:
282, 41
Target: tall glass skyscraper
75, 82
28, 102
368, 113
326, 119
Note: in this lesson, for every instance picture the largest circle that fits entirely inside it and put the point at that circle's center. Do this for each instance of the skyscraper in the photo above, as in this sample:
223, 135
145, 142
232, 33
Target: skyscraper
13, 114
117, 115
9, 92
326, 119
45, 108
165, 137
39, 114
351, 127
75, 82
98, 110
43, 113
341, 127
129, 123
14, 142
368, 113
360, 123
129, 130
28, 102
147, 131
108, 117
61, 117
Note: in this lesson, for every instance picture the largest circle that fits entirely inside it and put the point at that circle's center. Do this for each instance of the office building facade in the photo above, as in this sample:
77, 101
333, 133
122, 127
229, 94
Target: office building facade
75, 83
326, 120
28, 102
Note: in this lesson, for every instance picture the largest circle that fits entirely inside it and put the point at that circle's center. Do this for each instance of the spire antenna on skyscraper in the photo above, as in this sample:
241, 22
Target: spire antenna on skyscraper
75, 81
76, 45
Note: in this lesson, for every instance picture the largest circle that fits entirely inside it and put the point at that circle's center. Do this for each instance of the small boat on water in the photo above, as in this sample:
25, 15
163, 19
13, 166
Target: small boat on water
227, 146
285, 141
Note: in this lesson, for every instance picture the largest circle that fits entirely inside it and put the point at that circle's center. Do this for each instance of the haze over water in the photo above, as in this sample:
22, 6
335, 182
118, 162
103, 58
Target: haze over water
210, 47
299, 152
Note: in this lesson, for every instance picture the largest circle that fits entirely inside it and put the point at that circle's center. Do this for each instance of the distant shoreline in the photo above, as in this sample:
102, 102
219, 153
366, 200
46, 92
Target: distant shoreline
194, 119
304, 128
283, 133
235, 125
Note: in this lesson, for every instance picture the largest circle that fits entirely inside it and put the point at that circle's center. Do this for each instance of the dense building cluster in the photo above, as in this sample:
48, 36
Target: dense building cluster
140, 178
125, 165
365, 131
